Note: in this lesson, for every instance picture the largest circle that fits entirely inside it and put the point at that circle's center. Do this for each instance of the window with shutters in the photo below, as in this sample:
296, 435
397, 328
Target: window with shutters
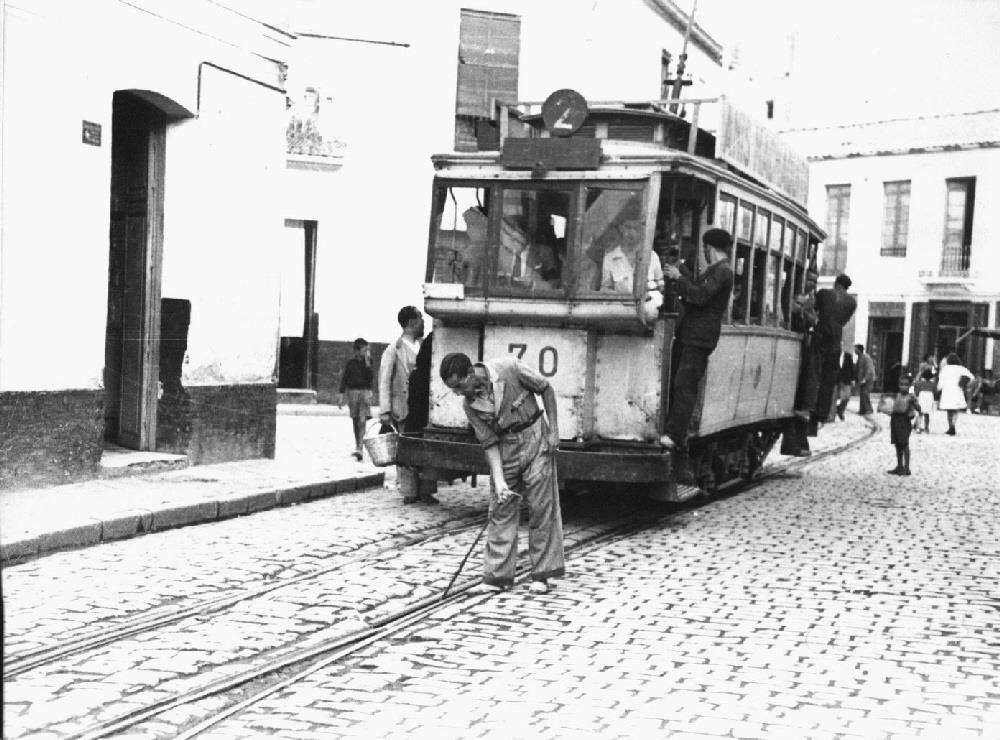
488, 51
838, 212
895, 218
959, 204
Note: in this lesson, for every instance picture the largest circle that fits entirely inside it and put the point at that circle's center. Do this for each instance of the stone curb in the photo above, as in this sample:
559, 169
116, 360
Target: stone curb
124, 524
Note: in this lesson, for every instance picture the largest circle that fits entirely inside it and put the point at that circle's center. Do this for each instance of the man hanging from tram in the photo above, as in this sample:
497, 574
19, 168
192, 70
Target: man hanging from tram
706, 297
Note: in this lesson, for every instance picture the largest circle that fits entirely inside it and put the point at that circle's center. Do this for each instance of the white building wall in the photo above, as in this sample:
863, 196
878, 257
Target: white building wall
394, 106
56, 207
878, 278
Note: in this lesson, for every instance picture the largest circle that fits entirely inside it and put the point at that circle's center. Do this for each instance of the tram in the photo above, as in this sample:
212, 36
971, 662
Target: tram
543, 248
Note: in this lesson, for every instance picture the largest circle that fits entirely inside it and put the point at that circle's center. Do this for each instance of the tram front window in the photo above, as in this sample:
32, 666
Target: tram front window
531, 250
459, 236
612, 238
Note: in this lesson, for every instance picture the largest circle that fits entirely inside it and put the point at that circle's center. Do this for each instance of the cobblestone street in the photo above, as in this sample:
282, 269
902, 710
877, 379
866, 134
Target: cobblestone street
832, 601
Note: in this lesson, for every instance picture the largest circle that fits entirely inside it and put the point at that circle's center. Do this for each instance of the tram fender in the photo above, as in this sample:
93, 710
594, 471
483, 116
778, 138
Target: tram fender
653, 466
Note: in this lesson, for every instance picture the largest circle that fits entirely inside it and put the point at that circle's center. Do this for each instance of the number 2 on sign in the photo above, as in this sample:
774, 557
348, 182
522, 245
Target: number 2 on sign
548, 357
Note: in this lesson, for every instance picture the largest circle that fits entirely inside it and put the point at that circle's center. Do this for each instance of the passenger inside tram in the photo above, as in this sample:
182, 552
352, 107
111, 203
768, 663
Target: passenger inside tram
612, 237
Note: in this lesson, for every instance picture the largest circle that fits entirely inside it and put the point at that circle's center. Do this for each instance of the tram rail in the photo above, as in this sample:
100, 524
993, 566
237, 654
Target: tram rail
24, 661
299, 664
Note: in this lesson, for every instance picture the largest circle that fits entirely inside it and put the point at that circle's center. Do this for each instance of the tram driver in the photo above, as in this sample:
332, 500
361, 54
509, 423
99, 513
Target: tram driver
705, 297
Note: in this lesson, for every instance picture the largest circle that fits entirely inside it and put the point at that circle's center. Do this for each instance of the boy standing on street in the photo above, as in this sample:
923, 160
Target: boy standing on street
904, 408
356, 389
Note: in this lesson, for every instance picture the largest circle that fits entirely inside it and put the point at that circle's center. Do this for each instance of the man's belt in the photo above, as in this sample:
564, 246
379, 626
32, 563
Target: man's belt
521, 426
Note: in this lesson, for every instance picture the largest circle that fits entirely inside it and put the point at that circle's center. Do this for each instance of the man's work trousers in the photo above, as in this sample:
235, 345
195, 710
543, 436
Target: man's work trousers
824, 365
690, 370
864, 398
530, 470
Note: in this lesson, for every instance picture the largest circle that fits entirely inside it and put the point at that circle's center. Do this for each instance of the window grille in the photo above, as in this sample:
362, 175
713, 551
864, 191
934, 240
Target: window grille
895, 218
838, 211
956, 252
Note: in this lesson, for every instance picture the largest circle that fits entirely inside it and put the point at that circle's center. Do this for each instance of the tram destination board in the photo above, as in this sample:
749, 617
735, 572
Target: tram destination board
551, 154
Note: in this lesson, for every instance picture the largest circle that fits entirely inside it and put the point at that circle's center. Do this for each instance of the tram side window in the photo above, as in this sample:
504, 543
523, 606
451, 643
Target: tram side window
810, 247
782, 264
725, 218
459, 236
531, 250
772, 278
761, 286
611, 241
743, 265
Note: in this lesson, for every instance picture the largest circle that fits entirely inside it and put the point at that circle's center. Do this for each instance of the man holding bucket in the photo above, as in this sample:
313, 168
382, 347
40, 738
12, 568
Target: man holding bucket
520, 446
398, 361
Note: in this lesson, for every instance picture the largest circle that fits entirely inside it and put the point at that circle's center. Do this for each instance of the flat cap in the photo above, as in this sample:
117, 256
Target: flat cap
718, 238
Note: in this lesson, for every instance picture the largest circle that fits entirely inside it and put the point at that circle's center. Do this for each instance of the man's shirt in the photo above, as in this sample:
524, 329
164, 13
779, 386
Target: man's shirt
705, 301
507, 401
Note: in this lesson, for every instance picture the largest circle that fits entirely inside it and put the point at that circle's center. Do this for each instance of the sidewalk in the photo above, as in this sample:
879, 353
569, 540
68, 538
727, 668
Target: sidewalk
312, 460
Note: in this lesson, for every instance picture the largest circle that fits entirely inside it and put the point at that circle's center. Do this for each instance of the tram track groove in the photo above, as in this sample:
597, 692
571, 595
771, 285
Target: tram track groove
342, 648
25, 661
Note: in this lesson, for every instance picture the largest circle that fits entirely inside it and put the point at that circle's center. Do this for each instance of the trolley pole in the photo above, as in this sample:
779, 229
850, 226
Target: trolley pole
675, 93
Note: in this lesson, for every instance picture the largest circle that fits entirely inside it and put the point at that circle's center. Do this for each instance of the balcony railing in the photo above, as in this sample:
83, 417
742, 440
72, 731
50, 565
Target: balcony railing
955, 260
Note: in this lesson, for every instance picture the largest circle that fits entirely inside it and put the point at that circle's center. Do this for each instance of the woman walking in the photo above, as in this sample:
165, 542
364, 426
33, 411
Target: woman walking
950, 385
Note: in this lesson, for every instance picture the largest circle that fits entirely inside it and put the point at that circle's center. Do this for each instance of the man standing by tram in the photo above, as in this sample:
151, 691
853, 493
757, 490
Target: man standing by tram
705, 298
398, 361
520, 446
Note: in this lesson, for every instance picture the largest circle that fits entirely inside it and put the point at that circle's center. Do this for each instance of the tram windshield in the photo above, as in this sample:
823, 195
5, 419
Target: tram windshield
519, 239
612, 238
532, 242
458, 236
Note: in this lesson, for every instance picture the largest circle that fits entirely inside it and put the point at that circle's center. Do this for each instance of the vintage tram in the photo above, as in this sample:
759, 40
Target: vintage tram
545, 248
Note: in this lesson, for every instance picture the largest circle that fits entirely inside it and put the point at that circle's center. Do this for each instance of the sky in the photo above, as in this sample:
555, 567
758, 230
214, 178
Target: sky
853, 60
865, 60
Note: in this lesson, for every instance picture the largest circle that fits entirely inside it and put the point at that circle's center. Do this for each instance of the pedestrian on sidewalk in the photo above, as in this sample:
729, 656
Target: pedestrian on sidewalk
865, 376
925, 387
398, 361
356, 390
520, 446
951, 379
904, 408
845, 382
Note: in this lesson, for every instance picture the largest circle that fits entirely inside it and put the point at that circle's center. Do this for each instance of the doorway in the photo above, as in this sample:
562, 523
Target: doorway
131, 348
885, 339
299, 323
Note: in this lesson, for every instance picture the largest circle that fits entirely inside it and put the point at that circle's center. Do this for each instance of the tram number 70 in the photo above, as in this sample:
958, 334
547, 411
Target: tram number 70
548, 357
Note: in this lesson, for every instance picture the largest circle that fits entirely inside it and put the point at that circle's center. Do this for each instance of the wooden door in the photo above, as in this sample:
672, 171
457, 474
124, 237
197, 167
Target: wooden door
132, 340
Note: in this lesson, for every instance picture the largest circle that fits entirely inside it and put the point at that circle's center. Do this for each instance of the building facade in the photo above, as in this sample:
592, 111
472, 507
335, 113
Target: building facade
907, 206
143, 144
396, 82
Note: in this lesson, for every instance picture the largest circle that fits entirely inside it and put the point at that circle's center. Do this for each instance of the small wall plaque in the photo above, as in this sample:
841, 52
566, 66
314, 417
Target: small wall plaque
91, 133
